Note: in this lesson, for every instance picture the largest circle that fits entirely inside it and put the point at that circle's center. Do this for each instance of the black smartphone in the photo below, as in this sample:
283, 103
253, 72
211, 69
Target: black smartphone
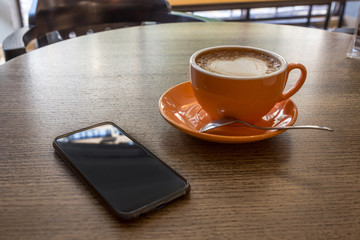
127, 177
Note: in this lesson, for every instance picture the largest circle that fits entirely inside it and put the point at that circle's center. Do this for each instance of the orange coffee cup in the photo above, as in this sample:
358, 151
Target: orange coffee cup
241, 82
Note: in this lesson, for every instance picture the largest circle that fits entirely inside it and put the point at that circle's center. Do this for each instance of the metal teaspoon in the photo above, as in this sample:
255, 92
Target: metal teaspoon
227, 121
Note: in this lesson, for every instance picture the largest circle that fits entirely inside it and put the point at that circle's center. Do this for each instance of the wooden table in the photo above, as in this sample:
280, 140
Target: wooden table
298, 185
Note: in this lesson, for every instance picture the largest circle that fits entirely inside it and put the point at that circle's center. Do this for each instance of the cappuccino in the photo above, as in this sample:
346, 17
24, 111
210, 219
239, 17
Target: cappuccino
238, 62
241, 82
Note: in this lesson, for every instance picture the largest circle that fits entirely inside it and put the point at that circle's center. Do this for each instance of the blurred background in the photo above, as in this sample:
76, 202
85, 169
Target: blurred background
14, 14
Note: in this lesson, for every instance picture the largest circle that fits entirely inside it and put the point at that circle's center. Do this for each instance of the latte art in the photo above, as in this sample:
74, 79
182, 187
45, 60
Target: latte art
243, 66
238, 63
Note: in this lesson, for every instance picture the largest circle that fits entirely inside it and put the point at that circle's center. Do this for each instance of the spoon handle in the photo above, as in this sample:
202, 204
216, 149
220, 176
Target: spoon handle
288, 127
224, 122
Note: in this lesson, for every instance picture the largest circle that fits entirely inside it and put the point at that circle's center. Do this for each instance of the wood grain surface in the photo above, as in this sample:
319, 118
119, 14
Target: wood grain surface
298, 185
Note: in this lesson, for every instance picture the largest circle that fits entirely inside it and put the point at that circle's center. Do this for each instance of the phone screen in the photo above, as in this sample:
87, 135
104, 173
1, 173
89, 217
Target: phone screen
129, 178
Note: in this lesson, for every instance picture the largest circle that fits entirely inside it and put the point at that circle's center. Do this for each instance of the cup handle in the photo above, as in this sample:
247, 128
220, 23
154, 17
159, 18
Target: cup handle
298, 84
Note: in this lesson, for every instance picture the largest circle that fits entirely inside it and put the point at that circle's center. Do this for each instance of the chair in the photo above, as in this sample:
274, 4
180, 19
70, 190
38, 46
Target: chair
51, 21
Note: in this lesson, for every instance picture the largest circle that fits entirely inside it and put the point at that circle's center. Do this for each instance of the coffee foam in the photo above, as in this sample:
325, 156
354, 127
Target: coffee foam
238, 62
242, 66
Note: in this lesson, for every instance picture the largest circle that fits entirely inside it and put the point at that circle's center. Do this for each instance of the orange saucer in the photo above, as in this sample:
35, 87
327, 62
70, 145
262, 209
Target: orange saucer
179, 107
